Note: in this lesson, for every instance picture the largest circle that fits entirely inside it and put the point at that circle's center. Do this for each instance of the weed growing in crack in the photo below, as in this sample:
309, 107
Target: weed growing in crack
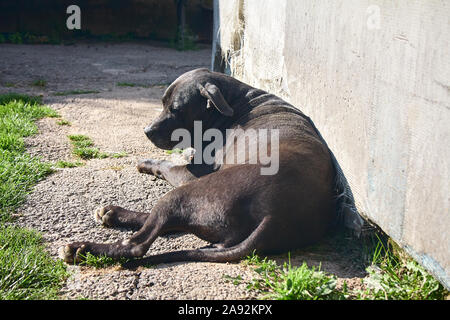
292, 283
394, 275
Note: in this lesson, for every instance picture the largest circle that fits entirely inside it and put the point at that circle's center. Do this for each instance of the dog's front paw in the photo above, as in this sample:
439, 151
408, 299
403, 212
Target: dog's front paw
150, 166
73, 253
106, 215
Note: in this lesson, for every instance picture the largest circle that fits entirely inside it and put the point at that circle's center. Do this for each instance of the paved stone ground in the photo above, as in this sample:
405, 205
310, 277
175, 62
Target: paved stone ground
61, 206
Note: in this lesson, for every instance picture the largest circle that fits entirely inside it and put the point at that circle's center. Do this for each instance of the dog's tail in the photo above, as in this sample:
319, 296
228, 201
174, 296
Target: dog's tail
347, 214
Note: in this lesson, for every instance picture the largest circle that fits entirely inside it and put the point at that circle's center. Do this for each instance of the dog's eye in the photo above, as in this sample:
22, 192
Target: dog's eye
174, 108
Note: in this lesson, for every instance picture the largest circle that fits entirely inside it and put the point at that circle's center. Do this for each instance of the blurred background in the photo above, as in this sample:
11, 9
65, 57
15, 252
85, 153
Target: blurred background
181, 23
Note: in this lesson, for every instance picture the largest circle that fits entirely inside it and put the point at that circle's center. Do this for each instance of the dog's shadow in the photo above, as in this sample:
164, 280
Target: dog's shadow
340, 254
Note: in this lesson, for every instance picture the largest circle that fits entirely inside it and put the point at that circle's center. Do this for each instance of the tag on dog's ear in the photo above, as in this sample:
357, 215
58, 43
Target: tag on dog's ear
214, 96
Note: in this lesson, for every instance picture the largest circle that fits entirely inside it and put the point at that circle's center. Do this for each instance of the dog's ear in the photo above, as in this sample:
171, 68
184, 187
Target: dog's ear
213, 94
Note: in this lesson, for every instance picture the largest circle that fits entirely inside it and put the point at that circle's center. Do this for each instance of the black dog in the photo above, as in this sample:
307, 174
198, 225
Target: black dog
232, 205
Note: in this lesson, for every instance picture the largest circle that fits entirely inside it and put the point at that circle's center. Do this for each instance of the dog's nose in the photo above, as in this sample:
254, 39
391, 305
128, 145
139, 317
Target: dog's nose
149, 131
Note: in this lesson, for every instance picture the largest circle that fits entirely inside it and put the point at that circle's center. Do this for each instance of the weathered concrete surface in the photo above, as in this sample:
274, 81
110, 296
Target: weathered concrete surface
375, 77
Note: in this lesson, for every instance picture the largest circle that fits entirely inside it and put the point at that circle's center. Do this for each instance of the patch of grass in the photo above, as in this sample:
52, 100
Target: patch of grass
176, 150
68, 164
84, 148
394, 275
78, 138
292, 283
126, 84
26, 269
39, 83
63, 122
263, 265
391, 275
235, 280
81, 141
117, 155
87, 153
74, 92
15, 38
19, 172
9, 84
102, 261
10, 97
304, 283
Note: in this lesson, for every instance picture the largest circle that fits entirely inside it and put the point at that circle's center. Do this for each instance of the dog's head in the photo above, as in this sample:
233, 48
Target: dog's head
191, 97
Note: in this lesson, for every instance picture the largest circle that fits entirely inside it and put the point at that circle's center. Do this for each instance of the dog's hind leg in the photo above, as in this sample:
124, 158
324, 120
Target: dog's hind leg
176, 175
255, 241
159, 221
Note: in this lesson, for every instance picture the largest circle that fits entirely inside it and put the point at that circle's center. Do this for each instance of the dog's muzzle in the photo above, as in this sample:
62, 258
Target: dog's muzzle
149, 131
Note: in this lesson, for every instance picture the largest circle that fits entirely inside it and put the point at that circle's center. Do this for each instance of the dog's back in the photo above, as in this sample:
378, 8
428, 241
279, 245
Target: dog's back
300, 196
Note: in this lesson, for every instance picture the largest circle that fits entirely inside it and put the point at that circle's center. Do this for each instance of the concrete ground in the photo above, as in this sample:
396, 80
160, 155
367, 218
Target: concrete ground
61, 206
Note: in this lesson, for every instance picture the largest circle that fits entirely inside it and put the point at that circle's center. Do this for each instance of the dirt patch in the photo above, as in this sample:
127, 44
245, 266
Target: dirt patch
61, 206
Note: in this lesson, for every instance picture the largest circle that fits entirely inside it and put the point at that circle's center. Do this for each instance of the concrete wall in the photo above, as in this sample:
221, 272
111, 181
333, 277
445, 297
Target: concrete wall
375, 78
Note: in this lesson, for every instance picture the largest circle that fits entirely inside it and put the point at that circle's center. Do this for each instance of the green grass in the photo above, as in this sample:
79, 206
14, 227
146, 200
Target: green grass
87, 153
19, 172
99, 262
391, 275
235, 280
85, 149
26, 269
39, 83
63, 122
81, 141
15, 38
394, 275
176, 150
79, 138
74, 92
10, 97
292, 283
117, 155
68, 164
